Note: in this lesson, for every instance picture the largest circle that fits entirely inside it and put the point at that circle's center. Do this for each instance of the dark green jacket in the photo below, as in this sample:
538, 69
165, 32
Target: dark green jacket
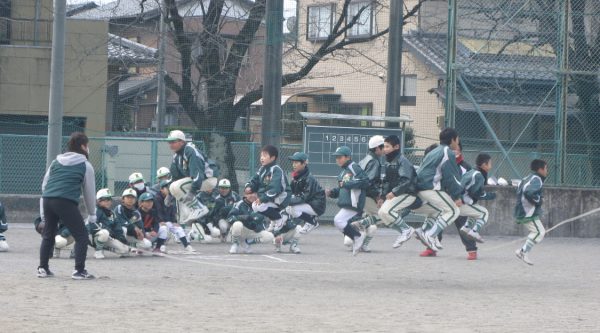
223, 205
67, 176
306, 189
242, 211
190, 162
372, 165
473, 182
128, 218
351, 194
106, 219
400, 176
440, 172
529, 197
271, 185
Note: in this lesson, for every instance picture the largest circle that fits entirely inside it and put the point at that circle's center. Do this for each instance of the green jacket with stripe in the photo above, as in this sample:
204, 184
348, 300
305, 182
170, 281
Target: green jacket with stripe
400, 176
473, 182
190, 162
529, 197
129, 218
242, 211
271, 185
440, 172
352, 182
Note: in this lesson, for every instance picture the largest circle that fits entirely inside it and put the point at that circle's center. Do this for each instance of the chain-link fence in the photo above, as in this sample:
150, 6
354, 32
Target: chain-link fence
524, 84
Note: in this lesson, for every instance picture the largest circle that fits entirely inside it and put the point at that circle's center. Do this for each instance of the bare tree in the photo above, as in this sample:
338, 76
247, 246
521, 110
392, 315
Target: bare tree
219, 73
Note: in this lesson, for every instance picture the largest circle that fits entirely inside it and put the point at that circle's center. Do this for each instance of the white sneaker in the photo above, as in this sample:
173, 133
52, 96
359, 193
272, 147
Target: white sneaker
294, 248
365, 248
278, 241
99, 254
420, 234
358, 243
163, 248
3, 245
476, 236
430, 242
307, 227
465, 230
523, 256
233, 249
403, 238
437, 243
189, 248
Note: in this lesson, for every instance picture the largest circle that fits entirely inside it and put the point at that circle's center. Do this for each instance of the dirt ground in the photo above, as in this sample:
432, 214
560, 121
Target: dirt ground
324, 289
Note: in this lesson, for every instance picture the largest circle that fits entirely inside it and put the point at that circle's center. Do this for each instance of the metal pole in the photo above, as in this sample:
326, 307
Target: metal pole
57, 82
560, 123
489, 128
394, 68
449, 116
161, 102
271, 119
36, 23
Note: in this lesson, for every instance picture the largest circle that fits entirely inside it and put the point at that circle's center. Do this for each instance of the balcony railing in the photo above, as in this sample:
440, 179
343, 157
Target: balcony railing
25, 31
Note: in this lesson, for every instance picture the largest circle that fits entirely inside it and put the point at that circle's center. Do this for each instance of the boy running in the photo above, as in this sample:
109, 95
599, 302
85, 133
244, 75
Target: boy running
352, 182
399, 188
473, 181
439, 185
529, 207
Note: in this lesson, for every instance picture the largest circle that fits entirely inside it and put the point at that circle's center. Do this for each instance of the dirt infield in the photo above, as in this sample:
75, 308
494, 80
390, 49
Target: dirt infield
324, 289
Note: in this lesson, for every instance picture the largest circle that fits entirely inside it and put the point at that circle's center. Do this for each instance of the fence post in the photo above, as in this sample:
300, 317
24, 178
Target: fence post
449, 116
560, 121
153, 159
252, 160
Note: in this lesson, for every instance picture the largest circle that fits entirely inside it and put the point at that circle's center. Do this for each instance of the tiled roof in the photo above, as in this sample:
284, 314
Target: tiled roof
136, 84
124, 52
432, 48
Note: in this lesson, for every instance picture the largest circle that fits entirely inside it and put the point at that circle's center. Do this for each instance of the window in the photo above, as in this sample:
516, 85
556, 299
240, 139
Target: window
320, 22
355, 109
408, 87
363, 26
5, 22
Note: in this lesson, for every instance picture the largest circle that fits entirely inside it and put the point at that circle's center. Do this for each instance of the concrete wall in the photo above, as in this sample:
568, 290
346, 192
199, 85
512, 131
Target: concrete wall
559, 205
25, 73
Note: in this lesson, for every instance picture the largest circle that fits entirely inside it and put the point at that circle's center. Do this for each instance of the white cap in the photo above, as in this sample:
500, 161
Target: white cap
129, 191
376, 141
135, 177
103, 193
176, 135
163, 172
224, 183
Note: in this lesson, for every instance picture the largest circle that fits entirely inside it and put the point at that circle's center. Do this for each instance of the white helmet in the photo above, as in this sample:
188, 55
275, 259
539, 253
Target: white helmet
129, 191
103, 193
224, 183
376, 141
163, 172
135, 177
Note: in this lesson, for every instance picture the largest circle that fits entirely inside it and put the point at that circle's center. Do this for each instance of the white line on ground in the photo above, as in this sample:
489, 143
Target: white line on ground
274, 258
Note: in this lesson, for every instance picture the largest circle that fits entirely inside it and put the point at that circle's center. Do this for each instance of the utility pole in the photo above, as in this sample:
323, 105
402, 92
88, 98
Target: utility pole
394, 68
271, 118
57, 82
161, 103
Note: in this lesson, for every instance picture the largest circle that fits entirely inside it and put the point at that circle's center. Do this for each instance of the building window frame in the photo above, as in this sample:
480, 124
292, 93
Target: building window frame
355, 7
311, 34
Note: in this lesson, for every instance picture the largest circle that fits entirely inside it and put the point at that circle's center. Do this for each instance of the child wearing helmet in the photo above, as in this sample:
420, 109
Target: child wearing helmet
105, 233
162, 174
247, 227
225, 198
154, 231
167, 214
127, 215
137, 183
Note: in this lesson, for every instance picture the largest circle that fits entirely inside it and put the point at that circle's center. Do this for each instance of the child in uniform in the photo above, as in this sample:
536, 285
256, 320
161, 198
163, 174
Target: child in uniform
529, 207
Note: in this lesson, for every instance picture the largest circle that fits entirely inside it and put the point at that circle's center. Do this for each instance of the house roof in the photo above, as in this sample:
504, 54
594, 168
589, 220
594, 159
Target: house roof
124, 52
130, 9
432, 49
136, 84
80, 7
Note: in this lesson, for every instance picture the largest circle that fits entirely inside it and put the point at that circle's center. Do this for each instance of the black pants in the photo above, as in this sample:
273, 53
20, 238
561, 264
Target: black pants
67, 212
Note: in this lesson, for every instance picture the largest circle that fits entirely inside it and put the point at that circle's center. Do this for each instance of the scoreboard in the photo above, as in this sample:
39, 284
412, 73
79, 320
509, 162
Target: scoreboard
322, 141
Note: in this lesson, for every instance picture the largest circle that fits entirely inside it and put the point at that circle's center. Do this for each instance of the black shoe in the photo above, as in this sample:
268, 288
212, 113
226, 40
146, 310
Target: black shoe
44, 273
83, 275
